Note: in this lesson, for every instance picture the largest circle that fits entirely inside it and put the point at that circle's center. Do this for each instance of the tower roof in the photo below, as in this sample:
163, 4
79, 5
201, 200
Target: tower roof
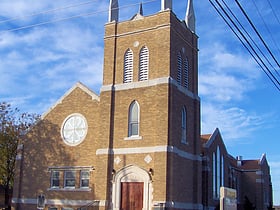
190, 17
140, 11
114, 11
139, 14
166, 4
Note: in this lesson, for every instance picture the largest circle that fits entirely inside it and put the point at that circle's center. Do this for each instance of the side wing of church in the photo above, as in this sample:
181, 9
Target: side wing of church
137, 145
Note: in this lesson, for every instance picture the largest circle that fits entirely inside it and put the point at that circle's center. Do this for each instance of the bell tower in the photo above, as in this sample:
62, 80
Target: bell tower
151, 109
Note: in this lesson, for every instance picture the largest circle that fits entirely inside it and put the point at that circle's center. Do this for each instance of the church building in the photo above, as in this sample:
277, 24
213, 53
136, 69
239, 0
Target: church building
137, 145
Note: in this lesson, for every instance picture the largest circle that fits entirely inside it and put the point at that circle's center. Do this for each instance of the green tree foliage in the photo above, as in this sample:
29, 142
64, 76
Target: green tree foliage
13, 125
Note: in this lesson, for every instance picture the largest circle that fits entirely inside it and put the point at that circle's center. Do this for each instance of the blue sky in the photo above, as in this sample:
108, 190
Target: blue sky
39, 64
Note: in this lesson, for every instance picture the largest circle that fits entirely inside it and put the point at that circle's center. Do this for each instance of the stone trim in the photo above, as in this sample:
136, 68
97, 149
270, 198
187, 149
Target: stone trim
132, 173
76, 168
149, 83
84, 189
260, 181
157, 27
212, 138
93, 95
141, 150
177, 205
65, 202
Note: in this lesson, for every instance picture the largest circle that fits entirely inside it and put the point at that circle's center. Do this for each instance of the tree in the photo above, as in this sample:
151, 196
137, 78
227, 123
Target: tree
13, 125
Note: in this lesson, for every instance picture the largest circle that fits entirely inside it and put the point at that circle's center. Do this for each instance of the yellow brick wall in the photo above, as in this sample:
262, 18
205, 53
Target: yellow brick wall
160, 115
44, 147
153, 32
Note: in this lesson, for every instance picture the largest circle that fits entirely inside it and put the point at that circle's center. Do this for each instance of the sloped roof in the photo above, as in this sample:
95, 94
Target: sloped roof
250, 164
253, 164
205, 137
208, 139
77, 85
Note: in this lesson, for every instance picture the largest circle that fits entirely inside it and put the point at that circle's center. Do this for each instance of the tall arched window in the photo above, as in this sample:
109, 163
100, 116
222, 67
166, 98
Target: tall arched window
184, 125
214, 166
186, 73
179, 68
222, 171
128, 66
218, 171
143, 64
133, 119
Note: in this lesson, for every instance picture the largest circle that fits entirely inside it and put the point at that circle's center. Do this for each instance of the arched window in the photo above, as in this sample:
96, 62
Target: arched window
128, 66
133, 119
218, 171
214, 166
186, 73
184, 125
179, 68
222, 171
143, 64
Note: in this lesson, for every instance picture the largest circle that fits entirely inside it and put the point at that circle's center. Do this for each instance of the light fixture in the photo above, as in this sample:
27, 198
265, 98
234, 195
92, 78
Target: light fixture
113, 171
151, 171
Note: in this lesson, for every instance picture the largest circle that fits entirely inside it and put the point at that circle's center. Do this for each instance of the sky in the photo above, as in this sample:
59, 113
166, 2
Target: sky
47, 46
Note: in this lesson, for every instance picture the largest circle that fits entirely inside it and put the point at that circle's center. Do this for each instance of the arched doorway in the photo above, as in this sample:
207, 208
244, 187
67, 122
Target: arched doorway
132, 188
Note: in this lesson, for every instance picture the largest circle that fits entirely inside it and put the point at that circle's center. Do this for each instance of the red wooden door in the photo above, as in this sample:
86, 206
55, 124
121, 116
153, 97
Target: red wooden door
132, 195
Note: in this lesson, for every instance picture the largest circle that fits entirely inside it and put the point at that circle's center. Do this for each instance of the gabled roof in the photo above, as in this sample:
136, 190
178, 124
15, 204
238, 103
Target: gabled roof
80, 85
208, 139
263, 159
211, 138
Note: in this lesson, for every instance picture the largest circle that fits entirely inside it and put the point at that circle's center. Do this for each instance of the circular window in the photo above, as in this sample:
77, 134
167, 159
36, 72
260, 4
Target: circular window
74, 129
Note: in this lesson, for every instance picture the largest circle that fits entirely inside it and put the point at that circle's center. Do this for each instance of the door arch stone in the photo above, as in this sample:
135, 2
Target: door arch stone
132, 173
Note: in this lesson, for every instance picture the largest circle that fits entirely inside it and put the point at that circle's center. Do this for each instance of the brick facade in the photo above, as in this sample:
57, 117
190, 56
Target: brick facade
175, 174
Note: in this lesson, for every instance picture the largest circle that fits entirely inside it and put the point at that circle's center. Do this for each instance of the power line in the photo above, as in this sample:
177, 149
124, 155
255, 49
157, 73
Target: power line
271, 36
243, 39
274, 13
257, 32
69, 18
47, 11
51, 21
248, 35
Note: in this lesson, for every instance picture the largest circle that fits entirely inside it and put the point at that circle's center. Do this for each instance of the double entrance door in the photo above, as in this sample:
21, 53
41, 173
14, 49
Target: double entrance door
132, 195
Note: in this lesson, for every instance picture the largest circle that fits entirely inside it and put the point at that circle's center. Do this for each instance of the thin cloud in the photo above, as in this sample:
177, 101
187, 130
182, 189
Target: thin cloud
28, 56
38, 65
221, 87
226, 75
235, 123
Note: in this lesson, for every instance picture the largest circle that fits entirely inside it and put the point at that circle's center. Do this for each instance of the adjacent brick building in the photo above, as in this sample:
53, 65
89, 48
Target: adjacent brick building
137, 145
